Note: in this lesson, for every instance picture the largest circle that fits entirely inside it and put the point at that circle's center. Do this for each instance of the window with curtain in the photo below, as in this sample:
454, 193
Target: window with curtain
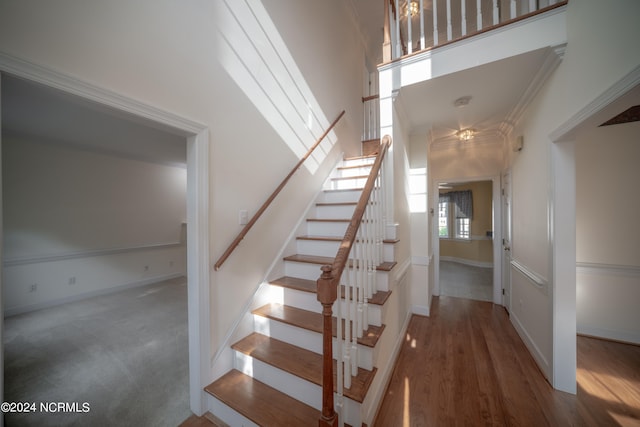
455, 212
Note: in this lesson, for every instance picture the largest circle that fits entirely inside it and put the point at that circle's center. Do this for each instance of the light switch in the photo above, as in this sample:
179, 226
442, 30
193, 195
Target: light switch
243, 217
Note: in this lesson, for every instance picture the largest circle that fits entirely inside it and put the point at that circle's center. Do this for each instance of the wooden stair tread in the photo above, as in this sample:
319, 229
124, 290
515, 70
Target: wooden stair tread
342, 178
338, 239
343, 190
260, 403
366, 165
336, 203
324, 260
300, 362
368, 156
379, 298
312, 321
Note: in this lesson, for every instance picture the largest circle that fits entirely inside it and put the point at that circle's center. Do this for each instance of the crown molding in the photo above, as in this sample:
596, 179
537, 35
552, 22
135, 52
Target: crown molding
73, 85
566, 130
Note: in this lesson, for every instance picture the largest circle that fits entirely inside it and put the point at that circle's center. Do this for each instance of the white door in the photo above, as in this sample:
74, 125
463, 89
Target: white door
506, 240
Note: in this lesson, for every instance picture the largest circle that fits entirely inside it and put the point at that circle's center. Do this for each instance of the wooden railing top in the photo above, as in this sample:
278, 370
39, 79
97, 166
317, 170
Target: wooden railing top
271, 198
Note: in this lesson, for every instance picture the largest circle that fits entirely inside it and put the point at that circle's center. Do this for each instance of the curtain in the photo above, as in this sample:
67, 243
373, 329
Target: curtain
462, 199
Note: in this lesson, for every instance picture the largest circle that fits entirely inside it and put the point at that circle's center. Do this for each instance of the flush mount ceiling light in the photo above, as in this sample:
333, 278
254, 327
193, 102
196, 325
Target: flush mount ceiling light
410, 8
462, 101
466, 134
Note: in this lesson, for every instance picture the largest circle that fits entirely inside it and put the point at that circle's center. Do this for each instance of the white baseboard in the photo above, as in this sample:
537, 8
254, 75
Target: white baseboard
467, 262
542, 361
622, 336
13, 311
420, 310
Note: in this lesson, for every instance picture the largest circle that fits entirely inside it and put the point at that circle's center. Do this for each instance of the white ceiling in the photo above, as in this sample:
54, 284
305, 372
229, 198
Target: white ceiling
496, 90
40, 112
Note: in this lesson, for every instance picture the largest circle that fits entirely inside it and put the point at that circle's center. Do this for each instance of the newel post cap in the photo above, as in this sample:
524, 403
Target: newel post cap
327, 290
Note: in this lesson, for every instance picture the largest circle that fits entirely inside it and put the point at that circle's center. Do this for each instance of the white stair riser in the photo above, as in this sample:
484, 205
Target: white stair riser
296, 387
321, 228
334, 211
330, 248
228, 415
306, 339
346, 184
309, 271
339, 196
302, 390
359, 162
308, 301
348, 172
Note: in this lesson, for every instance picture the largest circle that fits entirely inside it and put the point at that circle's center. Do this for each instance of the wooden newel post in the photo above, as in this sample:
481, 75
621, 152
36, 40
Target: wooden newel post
327, 294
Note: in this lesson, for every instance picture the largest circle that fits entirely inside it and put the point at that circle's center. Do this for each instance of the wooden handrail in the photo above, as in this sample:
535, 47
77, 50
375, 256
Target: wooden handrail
328, 286
266, 204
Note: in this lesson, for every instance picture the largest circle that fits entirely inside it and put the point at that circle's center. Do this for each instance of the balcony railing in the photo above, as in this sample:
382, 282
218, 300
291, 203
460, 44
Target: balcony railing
416, 25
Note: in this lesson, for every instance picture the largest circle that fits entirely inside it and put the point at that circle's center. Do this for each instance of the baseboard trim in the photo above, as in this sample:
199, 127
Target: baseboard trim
14, 311
542, 361
467, 262
623, 337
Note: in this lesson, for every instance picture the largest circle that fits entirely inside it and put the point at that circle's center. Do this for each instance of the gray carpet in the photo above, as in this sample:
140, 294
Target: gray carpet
465, 281
125, 354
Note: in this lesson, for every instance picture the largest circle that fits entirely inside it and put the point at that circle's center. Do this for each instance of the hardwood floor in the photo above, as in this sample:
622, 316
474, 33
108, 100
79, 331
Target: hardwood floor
465, 365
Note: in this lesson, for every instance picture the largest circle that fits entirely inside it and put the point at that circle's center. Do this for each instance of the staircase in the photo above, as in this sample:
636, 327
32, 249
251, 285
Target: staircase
276, 378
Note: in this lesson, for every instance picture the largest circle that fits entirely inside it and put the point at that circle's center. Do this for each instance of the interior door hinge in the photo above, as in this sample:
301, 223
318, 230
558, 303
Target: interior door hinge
502, 291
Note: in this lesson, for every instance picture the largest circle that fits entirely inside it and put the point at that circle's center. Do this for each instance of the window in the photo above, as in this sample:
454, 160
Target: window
443, 219
454, 215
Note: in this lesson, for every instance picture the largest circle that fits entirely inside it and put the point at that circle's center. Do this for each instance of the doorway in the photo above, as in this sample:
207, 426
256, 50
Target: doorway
195, 137
467, 226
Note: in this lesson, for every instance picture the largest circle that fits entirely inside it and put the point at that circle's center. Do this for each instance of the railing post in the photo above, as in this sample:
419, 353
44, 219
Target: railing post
386, 44
327, 295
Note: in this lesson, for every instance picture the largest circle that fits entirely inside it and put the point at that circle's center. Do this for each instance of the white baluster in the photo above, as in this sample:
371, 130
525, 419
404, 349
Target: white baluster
496, 13
422, 40
409, 32
347, 325
479, 16
513, 9
463, 12
360, 280
435, 22
354, 322
449, 25
533, 5
398, 40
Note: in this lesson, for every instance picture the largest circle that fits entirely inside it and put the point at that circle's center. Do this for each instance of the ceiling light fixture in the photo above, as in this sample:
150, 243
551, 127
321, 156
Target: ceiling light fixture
466, 134
462, 101
411, 8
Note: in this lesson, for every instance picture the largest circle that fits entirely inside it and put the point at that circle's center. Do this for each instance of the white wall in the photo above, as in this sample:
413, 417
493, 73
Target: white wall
608, 235
173, 56
590, 66
79, 223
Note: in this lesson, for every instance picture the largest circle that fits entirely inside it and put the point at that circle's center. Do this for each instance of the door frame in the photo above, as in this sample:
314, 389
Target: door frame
197, 143
505, 194
496, 204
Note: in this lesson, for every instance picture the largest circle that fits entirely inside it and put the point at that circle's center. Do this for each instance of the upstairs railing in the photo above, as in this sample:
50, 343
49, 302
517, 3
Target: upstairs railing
415, 25
268, 202
353, 274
